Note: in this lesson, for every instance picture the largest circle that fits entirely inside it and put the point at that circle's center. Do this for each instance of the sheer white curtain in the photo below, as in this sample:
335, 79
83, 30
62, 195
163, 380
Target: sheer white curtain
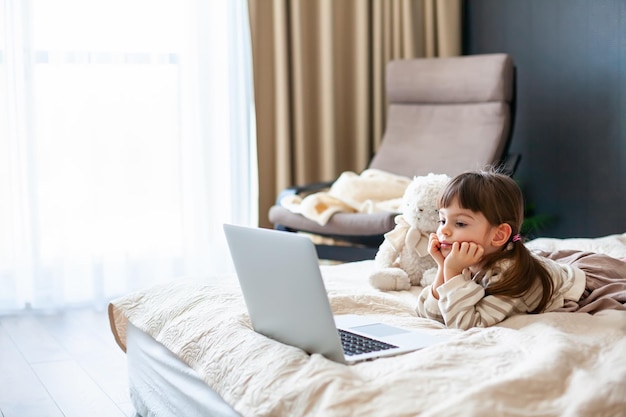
126, 140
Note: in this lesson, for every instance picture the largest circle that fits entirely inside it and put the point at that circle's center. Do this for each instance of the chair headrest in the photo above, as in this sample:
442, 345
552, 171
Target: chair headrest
462, 79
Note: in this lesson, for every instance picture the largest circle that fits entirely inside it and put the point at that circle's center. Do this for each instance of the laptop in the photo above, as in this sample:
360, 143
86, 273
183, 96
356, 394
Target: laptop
284, 292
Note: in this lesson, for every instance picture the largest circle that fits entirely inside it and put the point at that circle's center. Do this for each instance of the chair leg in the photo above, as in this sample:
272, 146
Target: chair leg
337, 252
345, 253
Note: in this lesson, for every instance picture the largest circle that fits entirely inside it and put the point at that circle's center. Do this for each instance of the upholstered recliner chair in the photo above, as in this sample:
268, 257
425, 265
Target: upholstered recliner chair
445, 116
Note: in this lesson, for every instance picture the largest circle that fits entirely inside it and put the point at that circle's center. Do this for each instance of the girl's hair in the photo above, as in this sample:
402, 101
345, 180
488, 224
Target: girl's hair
500, 200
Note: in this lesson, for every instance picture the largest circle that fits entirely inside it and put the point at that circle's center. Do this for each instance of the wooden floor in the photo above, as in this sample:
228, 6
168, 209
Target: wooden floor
62, 365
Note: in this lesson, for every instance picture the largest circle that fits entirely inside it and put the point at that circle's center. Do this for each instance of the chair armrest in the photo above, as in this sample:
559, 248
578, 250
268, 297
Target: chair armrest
303, 189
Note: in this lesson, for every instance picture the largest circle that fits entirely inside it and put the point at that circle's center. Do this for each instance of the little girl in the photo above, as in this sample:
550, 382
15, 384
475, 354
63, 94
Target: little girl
486, 274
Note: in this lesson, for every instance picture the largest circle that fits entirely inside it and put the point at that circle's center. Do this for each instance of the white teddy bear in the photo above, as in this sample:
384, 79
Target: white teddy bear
403, 259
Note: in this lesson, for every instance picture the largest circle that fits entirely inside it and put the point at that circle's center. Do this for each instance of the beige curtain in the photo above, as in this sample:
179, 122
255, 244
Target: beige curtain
319, 80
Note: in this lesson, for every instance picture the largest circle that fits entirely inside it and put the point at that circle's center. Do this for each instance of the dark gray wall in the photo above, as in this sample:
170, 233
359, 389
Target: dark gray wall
570, 125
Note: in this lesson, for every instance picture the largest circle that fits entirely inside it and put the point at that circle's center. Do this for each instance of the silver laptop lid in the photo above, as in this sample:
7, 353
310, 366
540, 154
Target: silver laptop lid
283, 289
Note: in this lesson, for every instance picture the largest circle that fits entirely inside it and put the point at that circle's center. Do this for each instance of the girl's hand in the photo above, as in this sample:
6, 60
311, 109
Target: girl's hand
434, 249
462, 255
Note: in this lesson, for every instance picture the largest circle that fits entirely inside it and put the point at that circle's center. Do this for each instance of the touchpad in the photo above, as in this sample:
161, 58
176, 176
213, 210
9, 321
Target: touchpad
379, 329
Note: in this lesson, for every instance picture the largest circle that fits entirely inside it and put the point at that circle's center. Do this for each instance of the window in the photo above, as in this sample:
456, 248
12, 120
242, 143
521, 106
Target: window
127, 140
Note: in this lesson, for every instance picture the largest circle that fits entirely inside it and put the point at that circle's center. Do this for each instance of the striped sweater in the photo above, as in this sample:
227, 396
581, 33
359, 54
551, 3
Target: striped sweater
463, 304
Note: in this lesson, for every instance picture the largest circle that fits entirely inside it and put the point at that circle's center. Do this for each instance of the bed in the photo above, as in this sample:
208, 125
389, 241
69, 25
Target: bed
191, 352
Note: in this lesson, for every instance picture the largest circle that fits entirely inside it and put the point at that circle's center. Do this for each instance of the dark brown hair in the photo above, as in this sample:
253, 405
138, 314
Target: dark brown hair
500, 200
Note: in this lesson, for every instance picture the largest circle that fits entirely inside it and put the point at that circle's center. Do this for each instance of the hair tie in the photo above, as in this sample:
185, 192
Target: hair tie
516, 238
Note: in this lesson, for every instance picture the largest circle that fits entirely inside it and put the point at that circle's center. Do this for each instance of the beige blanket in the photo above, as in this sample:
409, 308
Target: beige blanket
554, 364
371, 191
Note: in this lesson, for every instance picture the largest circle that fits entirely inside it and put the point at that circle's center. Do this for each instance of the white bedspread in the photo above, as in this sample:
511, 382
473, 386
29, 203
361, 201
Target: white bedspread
554, 364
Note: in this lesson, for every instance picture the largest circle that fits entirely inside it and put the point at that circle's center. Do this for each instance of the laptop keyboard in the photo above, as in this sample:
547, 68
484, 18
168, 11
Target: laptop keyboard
354, 344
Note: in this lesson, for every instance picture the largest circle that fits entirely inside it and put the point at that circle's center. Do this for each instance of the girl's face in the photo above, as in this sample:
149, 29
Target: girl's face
457, 224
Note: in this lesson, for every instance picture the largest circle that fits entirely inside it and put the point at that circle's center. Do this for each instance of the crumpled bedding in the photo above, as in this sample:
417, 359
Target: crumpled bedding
553, 364
371, 191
